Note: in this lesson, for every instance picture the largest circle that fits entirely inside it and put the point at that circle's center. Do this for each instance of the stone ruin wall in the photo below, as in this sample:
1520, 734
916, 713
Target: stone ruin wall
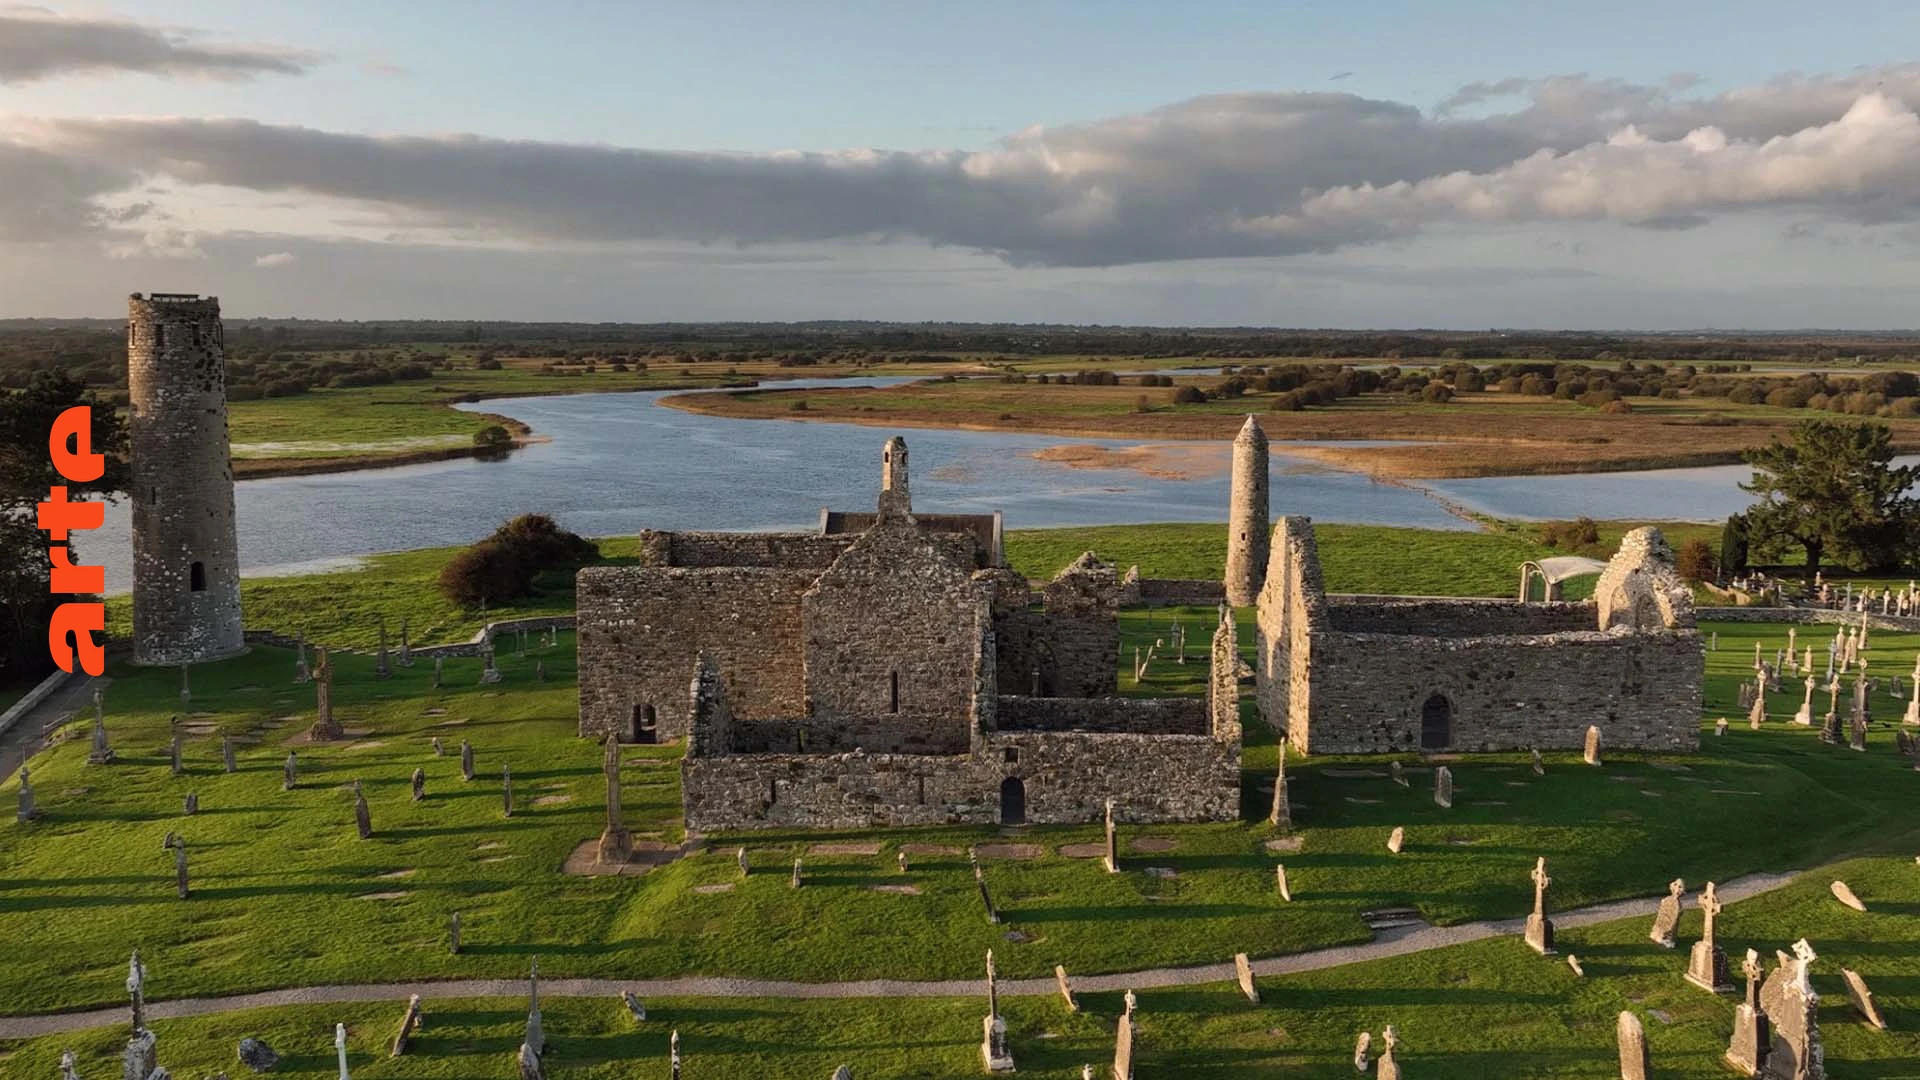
894, 627
1291, 610
1111, 715
182, 483
641, 629
786, 551
1507, 692
1445, 616
1181, 592
1068, 777
898, 733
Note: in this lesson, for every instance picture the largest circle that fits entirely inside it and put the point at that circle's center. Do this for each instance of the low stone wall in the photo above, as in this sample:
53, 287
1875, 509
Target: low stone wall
1181, 592
41, 691
1805, 616
1138, 716
1438, 617
1062, 777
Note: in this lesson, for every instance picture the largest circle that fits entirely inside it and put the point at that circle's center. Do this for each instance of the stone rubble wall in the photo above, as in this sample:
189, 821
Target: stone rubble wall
784, 551
1441, 616
1292, 609
1807, 617
898, 733
1139, 716
642, 628
1181, 592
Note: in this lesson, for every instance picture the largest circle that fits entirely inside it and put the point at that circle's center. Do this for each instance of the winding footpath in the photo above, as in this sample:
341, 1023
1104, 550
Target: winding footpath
1390, 943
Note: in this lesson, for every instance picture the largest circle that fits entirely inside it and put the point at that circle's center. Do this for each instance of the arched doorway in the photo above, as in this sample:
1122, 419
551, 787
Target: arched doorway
1436, 723
1013, 801
644, 726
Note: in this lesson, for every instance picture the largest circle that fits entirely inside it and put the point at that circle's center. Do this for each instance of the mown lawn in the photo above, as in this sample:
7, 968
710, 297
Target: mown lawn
286, 893
1491, 1008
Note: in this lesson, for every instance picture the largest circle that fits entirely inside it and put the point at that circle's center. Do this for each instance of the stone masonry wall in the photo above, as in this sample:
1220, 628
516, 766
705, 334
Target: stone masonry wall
1506, 692
1292, 608
641, 628
787, 551
1181, 592
182, 483
1140, 716
1446, 617
892, 734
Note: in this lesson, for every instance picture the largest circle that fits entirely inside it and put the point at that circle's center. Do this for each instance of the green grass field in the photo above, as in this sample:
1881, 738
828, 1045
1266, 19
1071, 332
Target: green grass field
286, 893
1491, 1008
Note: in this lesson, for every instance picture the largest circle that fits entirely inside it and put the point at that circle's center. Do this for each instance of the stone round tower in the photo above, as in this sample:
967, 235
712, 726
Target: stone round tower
186, 565
1248, 527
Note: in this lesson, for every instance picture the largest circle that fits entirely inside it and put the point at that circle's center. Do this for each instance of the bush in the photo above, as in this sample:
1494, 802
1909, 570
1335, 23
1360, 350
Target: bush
1189, 395
537, 539
486, 573
1287, 402
1436, 392
1617, 406
493, 437
1695, 561
798, 406
1570, 535
486, 363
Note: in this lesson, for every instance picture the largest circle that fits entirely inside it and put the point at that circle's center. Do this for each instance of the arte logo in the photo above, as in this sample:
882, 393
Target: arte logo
71, 633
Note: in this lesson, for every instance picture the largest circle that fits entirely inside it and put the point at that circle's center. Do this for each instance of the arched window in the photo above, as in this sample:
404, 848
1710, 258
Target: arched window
644, 726
197, 577
1013, 801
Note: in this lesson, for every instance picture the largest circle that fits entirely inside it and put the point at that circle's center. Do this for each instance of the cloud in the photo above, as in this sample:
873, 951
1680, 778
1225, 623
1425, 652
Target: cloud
278, 258
38, 44
160, 242
1223, 176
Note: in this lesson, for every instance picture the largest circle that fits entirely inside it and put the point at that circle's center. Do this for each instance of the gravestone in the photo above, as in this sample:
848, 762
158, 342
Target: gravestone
1720, 728
540, 670
408, 1021
1804, 715
419, 785
1668, 916
466, 760
362, 819
506, 791
740, 857
1857, 731
301, 674
1793, 1007
530, 1068
340, 1048
1280, 816
993, 1034
1591, 754
1280, 877
1399, 776
380, 668
1845, 894
980, 879
325, 726
673, 1054
102, 753
137, 991
616, 843
439, 671
1066, 988
439, 748
536, 1035
138, 1062
1443, 787
453, 934
1707, 964
1388, 1067
1862, 999
489, 673
173, 749
1243, 974
27, 812
1636, 1062
1757, 705
192, 804
226, 754
636, 1008
900, 858
1123, 1043
1539, 763
1540, 928
793, 880
1363, 1053
1752, 1036
1396, 839
406, 646
1573, 962
290, 772
1110, 858
255, 1054
180, 868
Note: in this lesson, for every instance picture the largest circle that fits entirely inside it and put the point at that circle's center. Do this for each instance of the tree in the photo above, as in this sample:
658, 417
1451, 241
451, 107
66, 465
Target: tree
1733, 544
1835, 493
1695, 561
26, 472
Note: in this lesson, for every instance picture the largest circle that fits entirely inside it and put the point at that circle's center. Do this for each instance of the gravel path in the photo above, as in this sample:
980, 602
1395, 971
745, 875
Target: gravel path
1398, 942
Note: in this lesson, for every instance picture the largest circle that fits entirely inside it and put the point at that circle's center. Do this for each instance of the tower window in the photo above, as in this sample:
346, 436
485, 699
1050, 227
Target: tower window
197, 577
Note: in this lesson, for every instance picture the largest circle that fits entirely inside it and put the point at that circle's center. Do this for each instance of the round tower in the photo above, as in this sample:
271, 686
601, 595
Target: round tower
894, 496
1247, 523
186, 565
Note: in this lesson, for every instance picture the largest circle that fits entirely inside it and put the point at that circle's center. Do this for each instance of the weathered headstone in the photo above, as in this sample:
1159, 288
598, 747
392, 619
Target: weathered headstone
1539, 763
636, 1008
1539, 927
1757, 704
1110, 858
1668, 915
616, 843
673, 1055
489, 673
1280, 816
1388, 1067
1591, 753
536, 1034
1398, 774
1844, 893
140, 1058
340, 1047
1857, 730
1707, 964
1443, 787
226, 754
1396, 839
1123, 1043
1752, 1036
180, 868
453, 934
380, 668
255, 1054
419, 785
191, 805
740, 857
1363, 1053
993, 1035
1792, 1007
137, 991
325, 726
408, 1021
1066, 988
466, 760
1636, 1061
900, 858
1804, 715
1243, 974
506, 791
1720, 727
793, 880
439, 748
530, 1068
406, 646
27, 811
1280, 878
290, 772
173, 750
980, 879
362, 819
1862, 999
102, 753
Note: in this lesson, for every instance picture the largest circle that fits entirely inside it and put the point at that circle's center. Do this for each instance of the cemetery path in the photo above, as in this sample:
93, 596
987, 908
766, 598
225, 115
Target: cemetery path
29, 734
1389, 943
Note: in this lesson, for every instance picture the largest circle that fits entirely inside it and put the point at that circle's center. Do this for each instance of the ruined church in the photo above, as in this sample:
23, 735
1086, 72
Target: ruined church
891, 669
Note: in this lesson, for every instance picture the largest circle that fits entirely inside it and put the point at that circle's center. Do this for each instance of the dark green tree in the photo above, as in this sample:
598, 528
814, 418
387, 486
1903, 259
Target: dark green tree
1733, 545
26, 472
1835, 493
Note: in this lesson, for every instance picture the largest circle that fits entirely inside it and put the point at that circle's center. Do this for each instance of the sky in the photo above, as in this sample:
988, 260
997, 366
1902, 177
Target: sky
1462, 165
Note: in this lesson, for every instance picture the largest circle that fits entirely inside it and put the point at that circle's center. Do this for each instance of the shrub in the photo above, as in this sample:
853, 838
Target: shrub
1437, 392
1287, 402
486, 573
542, 543
1570, 535
493, 437
1189, 395
486, 363
799, 406
1617, 407
1695, 561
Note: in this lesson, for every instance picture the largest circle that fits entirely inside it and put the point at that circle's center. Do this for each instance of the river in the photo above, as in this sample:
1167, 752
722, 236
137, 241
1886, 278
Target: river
618, 463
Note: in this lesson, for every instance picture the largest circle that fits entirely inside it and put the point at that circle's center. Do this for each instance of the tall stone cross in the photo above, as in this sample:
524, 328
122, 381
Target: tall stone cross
1282, 813
993, 988
616, 843
1540, 883
536, 1036
1111, 857
1753, 971
137, 990
380, 668
1803, 958
324, 725
340, 1045
1710, 909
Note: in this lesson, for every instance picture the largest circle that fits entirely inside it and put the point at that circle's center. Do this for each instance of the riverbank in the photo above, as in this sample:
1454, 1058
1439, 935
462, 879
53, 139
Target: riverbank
1478, 434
